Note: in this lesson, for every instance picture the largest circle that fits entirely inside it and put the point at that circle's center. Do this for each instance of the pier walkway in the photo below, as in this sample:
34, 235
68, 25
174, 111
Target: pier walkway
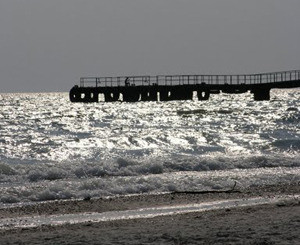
180, 87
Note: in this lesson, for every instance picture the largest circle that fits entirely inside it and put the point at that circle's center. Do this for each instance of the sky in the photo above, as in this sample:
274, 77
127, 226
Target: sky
46, 46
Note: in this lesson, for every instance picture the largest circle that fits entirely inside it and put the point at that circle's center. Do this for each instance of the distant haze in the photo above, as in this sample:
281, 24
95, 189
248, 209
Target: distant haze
49, 45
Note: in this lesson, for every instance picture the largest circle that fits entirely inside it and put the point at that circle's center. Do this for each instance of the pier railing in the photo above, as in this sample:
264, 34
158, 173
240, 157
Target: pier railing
172, 80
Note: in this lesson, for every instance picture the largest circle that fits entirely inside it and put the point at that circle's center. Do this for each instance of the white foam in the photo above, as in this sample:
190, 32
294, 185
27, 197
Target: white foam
151, 183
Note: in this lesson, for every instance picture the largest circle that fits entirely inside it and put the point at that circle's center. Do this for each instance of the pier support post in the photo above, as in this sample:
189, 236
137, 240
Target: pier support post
164, 95
131, 95
74, 94
83, 95
261, 94
176, 94
95, 97
149, 96
203, 95
181, 94
111, 97
90, 96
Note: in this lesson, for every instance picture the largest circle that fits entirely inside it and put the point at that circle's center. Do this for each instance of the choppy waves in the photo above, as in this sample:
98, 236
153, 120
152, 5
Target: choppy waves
52, 149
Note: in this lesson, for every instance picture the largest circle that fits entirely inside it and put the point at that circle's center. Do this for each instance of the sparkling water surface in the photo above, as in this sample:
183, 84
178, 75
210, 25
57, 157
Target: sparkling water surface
51, 148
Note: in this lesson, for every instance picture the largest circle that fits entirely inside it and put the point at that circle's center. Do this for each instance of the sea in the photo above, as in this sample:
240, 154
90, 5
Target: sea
52, 149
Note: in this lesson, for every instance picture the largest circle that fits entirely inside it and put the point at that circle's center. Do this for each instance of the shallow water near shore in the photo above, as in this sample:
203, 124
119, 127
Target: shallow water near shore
141, 213
52, 149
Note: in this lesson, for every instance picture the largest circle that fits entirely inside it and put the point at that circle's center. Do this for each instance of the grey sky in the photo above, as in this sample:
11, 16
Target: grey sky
47, 45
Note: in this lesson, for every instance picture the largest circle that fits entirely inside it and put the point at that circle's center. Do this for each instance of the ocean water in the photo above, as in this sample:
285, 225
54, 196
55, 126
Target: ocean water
53, 149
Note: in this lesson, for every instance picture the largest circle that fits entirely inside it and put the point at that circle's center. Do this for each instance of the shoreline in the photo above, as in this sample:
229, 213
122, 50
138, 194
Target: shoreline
271, 223
120, 203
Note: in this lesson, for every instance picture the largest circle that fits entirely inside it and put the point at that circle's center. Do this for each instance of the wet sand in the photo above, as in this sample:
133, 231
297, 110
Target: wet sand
264, 224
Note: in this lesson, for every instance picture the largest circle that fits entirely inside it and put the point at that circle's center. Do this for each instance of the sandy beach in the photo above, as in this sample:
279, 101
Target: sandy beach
261, 224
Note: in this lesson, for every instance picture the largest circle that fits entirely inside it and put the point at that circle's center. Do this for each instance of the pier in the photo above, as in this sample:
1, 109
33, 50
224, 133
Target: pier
180, 87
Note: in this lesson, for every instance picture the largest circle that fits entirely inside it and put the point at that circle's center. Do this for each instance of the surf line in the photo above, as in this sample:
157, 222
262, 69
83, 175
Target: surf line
143, 213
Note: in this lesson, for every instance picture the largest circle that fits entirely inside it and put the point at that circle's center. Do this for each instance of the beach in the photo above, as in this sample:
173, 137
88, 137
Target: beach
275, 223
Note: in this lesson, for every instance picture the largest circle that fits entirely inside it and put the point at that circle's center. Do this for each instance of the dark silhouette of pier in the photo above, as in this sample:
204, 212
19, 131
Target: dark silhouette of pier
180, 87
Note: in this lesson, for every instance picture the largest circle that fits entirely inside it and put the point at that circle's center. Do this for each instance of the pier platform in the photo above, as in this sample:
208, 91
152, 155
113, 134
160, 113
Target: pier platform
180, 87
